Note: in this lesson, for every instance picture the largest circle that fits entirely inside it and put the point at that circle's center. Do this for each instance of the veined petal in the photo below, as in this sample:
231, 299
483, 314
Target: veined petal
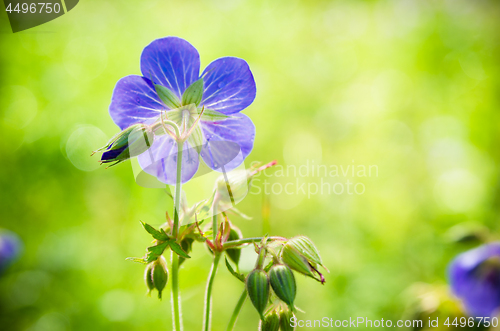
227, 142
161, 160
134, 101
229, 85
171, 62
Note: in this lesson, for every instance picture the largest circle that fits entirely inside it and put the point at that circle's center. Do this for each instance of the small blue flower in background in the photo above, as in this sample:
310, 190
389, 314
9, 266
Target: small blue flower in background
10, 248
228, 88
475, 279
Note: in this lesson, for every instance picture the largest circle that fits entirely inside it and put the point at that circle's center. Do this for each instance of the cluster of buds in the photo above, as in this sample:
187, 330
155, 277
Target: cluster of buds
277, 279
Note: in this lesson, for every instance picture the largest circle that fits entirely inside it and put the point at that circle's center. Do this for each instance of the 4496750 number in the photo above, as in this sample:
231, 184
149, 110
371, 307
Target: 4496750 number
41, 7
471, 322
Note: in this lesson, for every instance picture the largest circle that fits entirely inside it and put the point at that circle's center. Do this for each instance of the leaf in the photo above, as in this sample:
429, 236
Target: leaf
159, 235
210, 115
168, 97
137, 259
177, 249
193, 93
234, 273
158, 249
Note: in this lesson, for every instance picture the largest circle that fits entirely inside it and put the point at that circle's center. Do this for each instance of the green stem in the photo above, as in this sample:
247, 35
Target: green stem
176, 306
234, 243
178, 188
208, 294
237, 310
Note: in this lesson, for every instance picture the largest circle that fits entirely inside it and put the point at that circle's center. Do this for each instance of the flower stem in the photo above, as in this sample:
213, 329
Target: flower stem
237, 310
234, 243
208, 294
176, 306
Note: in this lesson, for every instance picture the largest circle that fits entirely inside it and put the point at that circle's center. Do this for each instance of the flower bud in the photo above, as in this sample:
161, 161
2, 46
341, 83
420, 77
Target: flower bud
298, 262
10, 248
283, 283
234, 253
271, 322
285, 320
133, 141
258, 290
156, 275
305, 246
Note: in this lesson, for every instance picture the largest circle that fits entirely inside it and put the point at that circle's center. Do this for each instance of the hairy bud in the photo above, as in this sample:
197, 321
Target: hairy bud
283, 283
156, 275
257, 284
133, 141
298, 262
271, 322
285, 316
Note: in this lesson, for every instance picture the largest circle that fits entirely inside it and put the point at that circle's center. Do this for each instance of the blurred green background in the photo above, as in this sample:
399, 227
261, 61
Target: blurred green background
410, 86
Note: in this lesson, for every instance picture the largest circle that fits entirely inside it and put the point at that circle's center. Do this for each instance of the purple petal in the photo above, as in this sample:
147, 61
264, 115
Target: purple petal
228, 142
134, 101
161, 160
229, 85
475, 282
171, 62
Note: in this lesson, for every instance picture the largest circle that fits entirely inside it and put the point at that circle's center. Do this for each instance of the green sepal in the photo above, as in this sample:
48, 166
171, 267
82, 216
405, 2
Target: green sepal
137, 259
239, 276
196, 139
168, 97
210, 115
159, 235
193, 93
177, 249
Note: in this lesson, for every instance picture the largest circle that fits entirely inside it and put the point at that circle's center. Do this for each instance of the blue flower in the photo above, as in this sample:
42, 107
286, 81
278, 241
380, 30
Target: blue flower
475, 279
172, 64
10, 248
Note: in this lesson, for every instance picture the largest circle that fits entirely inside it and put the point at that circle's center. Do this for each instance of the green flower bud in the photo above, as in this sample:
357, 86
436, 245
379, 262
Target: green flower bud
148, 279
257, 284
307, 248
271, 322
233, 187
133, 141
156, 275
298, 262
193, 93
283, 283
234, 253
285, 316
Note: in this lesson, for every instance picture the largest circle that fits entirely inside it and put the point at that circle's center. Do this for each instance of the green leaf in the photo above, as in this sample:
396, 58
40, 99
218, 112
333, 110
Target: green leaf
210, 115
168, 97
158, 249
193, 93
177, 249
137, 259
234, 273
159, 235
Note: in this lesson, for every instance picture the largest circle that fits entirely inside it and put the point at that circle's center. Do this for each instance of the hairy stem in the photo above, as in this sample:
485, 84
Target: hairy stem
208, 294
238, 242
176, 306
237, 310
